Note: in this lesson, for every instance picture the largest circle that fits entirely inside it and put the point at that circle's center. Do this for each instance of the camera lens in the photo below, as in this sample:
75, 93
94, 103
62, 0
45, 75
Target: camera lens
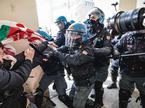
123, 22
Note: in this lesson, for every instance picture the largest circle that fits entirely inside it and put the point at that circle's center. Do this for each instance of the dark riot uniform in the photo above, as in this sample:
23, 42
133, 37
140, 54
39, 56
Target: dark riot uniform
101, 63
99, 38
82, 69
132, 69
54, 72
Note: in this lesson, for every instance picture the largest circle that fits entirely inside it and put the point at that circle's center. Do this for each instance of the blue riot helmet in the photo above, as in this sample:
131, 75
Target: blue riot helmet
76, 35
61, 22
95, 23
61, 19
96, 14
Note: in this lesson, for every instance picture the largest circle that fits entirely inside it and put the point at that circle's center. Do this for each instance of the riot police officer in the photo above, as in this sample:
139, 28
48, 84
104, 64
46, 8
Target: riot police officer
80, 56
53, 69
132, 69
62, 24
100, 38
53, 72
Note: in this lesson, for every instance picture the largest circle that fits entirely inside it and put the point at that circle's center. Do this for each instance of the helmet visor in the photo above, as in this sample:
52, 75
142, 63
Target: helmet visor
73, 38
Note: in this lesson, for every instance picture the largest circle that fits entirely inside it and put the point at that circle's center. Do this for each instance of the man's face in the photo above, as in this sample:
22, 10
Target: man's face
93, 17
60, 25
73, 39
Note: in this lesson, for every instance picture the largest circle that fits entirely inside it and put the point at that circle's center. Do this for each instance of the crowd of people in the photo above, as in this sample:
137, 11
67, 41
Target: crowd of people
83, 49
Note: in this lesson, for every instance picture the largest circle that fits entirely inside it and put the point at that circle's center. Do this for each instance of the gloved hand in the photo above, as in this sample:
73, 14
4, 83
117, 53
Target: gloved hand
48, 52
39, 47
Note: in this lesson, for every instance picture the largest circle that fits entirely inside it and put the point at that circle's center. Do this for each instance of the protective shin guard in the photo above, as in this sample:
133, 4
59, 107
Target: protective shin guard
66, 100
124, 96
142, 96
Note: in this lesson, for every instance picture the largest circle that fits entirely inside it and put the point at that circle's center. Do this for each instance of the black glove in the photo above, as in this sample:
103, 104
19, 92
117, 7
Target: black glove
48, 52
39, 48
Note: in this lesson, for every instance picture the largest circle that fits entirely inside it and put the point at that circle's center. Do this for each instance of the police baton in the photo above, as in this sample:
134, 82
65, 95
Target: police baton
126, 55
129, 55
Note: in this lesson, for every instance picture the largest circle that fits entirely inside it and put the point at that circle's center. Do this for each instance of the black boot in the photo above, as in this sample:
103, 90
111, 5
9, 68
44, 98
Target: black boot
66, 100
39, 97
142, 96
124, 96
99, 99
99, 91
